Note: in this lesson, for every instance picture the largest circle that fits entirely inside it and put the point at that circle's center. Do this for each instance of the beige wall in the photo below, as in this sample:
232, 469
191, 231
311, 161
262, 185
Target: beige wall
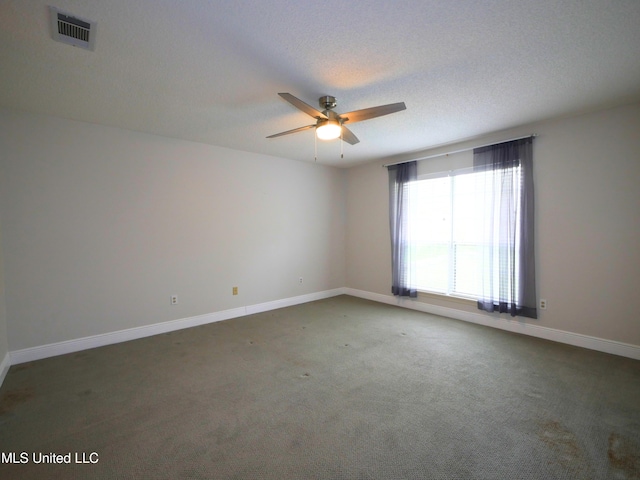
100, 226
587, 181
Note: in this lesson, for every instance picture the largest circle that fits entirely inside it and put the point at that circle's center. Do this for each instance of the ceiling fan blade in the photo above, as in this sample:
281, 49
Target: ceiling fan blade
300, 105
373, 112
295, 130
348, 136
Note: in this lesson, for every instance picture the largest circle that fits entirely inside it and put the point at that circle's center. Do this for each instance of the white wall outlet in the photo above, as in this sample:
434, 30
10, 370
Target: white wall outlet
300, 280
174, 299
543, 304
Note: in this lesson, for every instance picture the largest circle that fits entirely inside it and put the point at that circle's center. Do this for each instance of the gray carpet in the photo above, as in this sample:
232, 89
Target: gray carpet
341, 388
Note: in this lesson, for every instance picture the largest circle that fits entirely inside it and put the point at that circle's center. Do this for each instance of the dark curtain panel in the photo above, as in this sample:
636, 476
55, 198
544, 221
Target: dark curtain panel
508, 266
401, 251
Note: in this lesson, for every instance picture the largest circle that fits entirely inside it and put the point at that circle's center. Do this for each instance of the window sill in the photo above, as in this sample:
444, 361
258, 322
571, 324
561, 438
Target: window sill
430, 296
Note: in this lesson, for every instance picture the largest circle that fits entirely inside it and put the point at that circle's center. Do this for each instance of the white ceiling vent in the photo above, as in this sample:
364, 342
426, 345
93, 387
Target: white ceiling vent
72, 30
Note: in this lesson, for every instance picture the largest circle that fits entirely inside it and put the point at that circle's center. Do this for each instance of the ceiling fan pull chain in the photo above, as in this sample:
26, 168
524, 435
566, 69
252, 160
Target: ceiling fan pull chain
315, 148
341, 141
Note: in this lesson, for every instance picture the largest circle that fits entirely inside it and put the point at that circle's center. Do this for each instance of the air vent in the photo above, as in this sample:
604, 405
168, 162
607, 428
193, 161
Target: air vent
72, 30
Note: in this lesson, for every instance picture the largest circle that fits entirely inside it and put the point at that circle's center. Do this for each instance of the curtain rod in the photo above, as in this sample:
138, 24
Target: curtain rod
461, 150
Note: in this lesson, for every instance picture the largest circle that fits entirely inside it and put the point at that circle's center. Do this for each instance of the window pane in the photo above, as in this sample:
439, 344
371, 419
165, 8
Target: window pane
432, 267
467, 268
431, 233
467, 234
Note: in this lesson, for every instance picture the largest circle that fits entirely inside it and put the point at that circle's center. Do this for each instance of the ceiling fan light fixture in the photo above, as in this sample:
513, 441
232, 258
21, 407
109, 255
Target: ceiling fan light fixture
329, 130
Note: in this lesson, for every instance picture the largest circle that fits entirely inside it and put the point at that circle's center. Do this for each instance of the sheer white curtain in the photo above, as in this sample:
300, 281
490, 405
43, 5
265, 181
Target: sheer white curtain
508, 263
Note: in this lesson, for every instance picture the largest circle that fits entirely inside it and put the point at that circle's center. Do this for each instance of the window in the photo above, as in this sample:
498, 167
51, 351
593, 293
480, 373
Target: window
446, 219
469, 233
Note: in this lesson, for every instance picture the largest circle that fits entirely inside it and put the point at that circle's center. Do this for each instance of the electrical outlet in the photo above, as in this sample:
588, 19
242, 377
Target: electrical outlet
300, 280
543, 304
174, 299
235, 290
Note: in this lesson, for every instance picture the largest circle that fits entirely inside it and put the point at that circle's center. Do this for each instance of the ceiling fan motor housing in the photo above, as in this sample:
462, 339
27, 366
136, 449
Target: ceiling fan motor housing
328, 102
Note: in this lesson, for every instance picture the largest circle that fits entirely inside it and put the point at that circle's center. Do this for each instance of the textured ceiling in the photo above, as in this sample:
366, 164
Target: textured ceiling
210, 70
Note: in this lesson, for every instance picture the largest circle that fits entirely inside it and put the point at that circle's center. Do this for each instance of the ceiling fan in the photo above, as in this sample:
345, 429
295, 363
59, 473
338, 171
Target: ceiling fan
330, 125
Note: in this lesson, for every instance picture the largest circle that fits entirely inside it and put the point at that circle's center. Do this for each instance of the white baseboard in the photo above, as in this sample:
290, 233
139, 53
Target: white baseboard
76, 345
288, 302
70, 346
4, 367
575, 339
